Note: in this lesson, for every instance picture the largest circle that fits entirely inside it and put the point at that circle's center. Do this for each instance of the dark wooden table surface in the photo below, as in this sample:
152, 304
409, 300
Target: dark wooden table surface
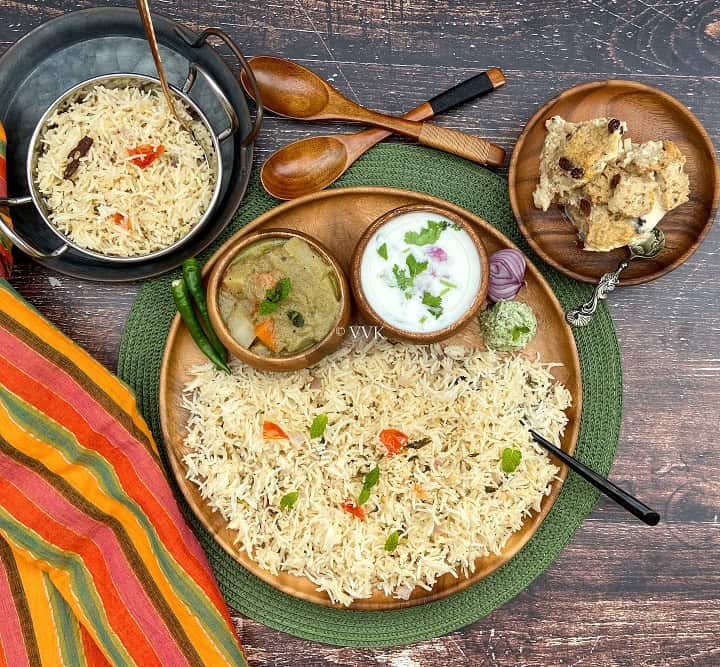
621, 593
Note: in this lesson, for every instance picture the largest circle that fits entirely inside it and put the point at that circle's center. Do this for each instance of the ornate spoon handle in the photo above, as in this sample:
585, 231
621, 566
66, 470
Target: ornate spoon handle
582, 315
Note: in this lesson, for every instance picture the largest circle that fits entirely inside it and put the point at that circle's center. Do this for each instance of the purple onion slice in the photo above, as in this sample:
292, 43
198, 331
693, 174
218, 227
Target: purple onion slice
507, 274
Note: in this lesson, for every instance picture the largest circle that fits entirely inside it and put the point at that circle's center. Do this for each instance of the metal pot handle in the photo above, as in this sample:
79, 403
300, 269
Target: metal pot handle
224, 102
16, 240
230, 43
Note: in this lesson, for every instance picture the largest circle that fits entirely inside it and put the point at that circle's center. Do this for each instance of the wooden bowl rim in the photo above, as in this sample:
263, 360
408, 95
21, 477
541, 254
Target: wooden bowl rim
401, 334
311, 355
592, 85
570, 437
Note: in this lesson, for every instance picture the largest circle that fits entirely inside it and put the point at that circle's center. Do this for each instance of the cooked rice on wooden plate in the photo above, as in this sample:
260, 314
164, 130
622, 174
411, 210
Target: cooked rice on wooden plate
127, 196
449, 500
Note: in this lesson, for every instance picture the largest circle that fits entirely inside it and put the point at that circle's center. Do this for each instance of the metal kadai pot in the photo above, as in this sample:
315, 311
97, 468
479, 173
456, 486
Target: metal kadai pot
121, 80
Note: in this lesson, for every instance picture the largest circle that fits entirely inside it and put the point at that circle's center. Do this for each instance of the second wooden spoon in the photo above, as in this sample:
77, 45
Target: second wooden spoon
290, 90
311, 164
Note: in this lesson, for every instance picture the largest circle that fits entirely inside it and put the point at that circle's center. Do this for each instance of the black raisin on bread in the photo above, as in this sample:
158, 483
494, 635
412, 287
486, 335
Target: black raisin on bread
614, 191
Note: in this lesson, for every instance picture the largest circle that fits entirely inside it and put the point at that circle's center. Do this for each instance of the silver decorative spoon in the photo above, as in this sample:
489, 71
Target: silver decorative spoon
648, 248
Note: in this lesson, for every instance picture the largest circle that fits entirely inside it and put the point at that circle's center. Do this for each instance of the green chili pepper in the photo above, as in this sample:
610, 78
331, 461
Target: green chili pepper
392, 541
181, 295
193, 280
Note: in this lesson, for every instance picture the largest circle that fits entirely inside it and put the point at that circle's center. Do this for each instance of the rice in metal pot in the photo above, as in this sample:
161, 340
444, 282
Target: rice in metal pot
119, 175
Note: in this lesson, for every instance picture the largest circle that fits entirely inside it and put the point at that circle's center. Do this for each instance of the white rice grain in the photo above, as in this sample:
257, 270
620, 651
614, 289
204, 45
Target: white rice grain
162, 202
450, 499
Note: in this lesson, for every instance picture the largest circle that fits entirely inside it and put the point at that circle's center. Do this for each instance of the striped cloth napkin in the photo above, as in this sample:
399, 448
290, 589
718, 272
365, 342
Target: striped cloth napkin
97, 564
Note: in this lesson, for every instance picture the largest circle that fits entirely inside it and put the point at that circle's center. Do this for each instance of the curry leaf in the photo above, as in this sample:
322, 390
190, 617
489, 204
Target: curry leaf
371, 479
296, 318
364, 495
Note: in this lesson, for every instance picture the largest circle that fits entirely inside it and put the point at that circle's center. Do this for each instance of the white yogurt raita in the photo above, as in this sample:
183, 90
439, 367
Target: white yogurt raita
420, 272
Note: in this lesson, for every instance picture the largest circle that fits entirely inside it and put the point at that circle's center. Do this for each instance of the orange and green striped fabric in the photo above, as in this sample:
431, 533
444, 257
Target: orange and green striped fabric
97, 564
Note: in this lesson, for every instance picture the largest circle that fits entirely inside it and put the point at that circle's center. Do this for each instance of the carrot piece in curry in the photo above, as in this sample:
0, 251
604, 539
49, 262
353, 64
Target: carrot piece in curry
265, 331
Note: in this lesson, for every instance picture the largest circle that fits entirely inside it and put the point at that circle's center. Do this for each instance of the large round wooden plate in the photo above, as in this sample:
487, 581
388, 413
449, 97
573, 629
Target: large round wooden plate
650, 114
337, 218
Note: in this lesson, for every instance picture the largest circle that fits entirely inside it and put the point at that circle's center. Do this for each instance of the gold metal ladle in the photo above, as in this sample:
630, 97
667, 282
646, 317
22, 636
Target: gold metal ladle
144, 9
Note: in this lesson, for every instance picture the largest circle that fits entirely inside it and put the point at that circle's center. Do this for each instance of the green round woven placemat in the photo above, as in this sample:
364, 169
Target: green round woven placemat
484, 193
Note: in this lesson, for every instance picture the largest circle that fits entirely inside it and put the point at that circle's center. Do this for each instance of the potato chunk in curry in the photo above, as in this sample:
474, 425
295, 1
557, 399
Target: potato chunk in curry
279, 297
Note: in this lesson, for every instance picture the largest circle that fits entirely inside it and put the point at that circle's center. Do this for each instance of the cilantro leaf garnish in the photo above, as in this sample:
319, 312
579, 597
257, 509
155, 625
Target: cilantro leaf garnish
288, 500
427, 235
317, 428
274, 296
267, 307
382, 251
279, 292
402, 279
510, 459
415, 267
434, 304
405, 278
519, 331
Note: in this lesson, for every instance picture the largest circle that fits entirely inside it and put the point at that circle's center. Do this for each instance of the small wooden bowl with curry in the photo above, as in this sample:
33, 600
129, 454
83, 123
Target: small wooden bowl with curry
279, 300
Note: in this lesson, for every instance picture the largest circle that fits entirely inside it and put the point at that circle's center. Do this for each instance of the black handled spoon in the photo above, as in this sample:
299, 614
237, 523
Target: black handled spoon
311, 164
622, 498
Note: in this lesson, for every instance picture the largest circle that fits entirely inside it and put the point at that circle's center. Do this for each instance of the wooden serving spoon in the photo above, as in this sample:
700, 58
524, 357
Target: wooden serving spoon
311, 164
290, 90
